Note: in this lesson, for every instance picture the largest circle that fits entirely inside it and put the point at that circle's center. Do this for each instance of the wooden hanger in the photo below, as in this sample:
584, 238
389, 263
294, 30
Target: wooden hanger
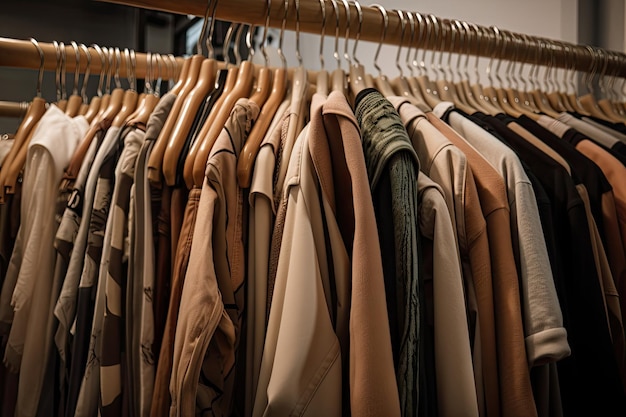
229, 84
180, 130
155, 163
447, 89
129, 103
241, 89
421, 85
299, 90
464, 83
35, 111
250, 149
217, 119
116, 101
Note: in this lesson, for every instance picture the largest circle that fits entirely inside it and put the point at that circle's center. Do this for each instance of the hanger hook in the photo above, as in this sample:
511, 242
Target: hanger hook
450, 50
588, 77
237, 42
465, 48
474, 31
149, 77
57, 75
118, 64
407, 62
41, 65
83, 90
423, 27
109, 54
359, 12
383, 34
63, 71
77, 67
129, 76
282, 36
265, 30
133, 68
103, 64
298, 56
336, 53
345, 44
204, 27
402, 30
227, 40
498, 35
437, 32
248, 40
323, 9
209, 39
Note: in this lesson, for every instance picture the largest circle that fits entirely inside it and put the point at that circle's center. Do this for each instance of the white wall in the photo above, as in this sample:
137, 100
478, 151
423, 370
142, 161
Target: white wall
556, 19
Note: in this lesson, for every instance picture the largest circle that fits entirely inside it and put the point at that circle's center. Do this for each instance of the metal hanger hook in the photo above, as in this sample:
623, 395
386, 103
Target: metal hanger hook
63, 71
359, 12
237, 42
209, 39
41, 65
226, 48
57, 72
83, 90
348, 21
103, 65
407, 62
77, 68
402, 30
298, 56
322, 33
204, 27
336, 53
383, 34
282, 36
118, 64
265, 30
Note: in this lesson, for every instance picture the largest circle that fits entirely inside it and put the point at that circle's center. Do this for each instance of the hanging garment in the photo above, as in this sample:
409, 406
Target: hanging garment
144, 260
263, 194
392, 167
546, 338
209, 322
119, 357
448, 167
29, 340
580, 298
515, 388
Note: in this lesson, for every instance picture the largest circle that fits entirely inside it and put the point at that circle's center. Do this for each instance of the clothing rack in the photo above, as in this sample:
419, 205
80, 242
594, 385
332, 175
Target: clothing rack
23, 54
487, 42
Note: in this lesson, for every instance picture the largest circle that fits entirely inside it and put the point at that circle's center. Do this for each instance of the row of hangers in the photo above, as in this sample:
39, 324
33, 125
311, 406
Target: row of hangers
170, 159
207, 90
119, 106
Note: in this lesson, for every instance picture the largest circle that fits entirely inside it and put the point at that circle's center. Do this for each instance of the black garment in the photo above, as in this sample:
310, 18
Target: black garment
584, 170
589, 379
618, 150
618, 127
